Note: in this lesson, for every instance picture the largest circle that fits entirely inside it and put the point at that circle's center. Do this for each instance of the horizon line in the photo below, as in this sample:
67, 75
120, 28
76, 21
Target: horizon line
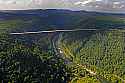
5, 10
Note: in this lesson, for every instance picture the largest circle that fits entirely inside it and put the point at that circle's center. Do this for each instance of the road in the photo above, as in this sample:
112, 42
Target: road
59, 30
52, 31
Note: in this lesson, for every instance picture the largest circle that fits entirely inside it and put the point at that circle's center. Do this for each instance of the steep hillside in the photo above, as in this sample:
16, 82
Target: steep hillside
101, 52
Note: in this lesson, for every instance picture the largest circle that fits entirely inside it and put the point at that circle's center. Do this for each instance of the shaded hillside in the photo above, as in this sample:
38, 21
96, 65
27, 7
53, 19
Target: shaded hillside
102, 22
35, 20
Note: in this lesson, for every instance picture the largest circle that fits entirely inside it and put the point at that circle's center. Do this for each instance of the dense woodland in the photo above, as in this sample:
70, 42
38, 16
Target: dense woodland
20, 63
102, 52
62, 57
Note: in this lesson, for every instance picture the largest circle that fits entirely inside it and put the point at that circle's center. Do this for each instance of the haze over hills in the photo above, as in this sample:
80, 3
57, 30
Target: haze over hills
35, 20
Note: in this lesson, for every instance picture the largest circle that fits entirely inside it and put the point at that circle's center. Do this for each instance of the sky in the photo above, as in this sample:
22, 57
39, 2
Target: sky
88, 5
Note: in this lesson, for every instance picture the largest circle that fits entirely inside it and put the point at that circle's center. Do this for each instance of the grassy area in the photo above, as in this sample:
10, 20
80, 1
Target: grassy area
8, 25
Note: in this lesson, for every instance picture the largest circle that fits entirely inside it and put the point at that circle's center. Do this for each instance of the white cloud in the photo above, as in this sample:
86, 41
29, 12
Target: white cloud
122, 6
116, 3
83, 3
21, 2
96, 5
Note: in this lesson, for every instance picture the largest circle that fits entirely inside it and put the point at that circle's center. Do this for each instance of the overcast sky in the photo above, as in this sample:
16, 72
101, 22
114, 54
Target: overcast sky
89, 5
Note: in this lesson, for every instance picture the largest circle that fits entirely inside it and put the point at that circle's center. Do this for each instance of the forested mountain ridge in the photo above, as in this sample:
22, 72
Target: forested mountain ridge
35, 20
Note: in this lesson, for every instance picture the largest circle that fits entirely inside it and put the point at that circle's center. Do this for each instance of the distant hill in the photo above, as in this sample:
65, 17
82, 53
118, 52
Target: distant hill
34, 20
